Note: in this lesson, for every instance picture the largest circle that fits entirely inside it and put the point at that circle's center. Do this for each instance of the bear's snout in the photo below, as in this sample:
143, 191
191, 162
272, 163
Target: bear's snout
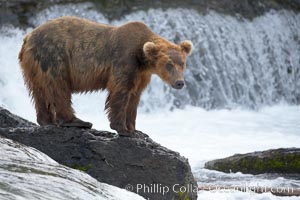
179, 84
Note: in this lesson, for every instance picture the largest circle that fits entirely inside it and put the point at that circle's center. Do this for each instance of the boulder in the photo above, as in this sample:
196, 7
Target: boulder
137, 164
283, 161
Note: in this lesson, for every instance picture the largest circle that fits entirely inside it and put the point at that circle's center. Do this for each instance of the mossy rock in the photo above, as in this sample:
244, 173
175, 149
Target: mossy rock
283, 161
83, 168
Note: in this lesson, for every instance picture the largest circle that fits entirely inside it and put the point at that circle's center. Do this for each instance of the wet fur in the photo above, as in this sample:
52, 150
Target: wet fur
72, 55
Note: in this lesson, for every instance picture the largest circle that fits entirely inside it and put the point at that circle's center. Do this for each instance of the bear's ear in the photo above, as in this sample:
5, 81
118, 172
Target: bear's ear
150, 49
187, 46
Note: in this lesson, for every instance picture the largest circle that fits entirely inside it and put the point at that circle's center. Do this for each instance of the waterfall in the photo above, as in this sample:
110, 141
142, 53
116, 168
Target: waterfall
236, 62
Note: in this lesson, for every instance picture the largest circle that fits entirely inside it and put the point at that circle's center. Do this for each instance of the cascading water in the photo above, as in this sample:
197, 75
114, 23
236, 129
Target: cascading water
236, 62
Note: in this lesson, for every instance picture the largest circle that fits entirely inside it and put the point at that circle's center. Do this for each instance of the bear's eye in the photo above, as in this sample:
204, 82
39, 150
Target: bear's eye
169, 66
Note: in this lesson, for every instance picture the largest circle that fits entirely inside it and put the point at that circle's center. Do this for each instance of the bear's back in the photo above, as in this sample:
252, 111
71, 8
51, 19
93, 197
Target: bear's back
66, 29
54, 42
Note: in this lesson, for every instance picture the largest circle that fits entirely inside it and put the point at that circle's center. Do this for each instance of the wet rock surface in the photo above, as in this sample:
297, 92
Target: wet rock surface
139, 164
27, 173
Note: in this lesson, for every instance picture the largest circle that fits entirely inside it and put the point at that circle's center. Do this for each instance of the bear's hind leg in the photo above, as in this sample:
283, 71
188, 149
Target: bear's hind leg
44, 110
65, 116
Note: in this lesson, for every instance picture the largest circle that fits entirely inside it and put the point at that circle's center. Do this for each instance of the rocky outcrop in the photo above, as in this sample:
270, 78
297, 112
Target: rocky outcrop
26, 173
283, 161
18, 12
138, 164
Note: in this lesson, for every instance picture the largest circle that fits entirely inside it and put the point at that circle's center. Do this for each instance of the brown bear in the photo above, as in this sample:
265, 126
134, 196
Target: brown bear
72, 55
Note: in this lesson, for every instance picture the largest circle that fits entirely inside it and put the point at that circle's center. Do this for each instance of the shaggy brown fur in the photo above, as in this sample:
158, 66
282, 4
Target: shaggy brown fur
70, 55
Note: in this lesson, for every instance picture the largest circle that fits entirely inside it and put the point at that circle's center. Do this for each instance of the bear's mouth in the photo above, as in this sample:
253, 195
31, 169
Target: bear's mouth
176, 87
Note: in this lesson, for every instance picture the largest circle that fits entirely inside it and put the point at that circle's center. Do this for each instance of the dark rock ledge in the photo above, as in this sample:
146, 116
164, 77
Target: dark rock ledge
17, 12
111, 159
282, 161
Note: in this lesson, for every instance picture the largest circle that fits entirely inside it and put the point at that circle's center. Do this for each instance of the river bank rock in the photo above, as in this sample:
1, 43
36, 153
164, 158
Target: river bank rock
138, 164
282, 161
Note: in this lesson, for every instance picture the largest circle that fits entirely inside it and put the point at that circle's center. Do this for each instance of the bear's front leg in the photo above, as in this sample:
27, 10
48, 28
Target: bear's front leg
116, 104
132, 110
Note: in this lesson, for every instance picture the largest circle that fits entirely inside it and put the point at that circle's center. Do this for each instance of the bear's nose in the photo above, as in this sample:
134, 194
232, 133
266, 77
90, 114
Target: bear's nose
179, 84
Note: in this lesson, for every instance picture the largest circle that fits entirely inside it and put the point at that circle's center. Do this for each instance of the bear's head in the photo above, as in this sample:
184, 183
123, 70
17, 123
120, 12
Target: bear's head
168, 60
